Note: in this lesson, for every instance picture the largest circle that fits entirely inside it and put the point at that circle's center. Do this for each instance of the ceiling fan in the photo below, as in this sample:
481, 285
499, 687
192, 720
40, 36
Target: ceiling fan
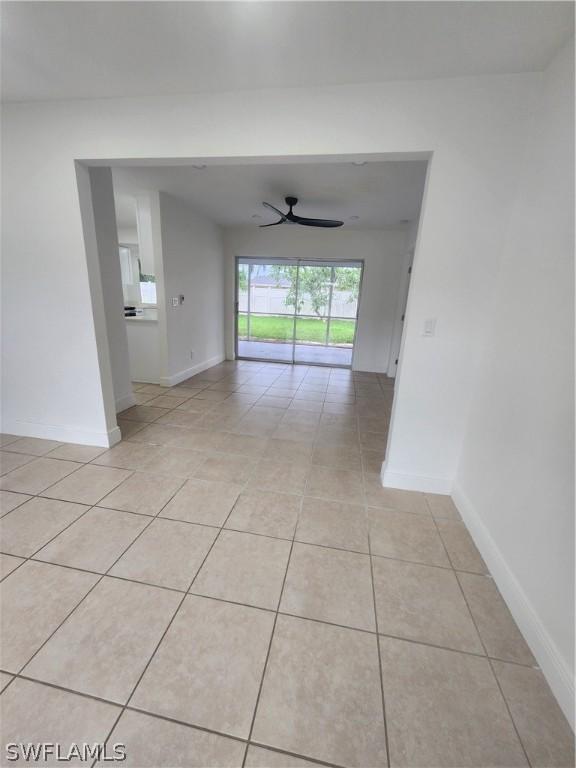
292, 218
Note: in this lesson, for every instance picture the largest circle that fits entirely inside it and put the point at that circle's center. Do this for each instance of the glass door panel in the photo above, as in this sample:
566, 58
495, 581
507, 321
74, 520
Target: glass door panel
344, 311
326, 314
265, 322
314, 288
242, 306
302, 312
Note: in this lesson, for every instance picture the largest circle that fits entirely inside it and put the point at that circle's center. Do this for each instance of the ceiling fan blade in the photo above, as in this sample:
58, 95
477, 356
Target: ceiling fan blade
272, 208
274, 224
326, 223
293, 218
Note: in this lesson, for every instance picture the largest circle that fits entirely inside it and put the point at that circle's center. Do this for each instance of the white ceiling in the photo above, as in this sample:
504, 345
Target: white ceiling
381, 194
73, 50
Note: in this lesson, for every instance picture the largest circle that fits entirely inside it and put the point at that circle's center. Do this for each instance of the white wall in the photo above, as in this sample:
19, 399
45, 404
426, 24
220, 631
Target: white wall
107, 244
474, 127
144, 228
382, 251
193, 265
515, 480
127, 235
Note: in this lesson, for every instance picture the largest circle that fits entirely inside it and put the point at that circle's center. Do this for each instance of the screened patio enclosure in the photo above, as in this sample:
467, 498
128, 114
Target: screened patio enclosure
297, 311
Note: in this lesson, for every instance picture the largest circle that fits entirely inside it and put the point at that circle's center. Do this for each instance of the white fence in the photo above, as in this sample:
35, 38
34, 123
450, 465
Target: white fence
270, 300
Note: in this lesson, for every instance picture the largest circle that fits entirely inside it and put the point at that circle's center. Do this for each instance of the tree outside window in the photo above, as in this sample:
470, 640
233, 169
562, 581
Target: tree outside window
312, 285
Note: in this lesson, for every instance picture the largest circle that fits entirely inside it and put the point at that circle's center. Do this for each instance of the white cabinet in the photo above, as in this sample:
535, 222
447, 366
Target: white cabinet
144, 349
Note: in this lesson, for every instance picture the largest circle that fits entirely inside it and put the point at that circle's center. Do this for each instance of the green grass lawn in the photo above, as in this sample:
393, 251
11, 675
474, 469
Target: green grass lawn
278, 328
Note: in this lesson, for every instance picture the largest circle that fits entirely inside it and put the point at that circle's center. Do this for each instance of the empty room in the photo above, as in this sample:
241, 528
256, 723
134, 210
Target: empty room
287, 402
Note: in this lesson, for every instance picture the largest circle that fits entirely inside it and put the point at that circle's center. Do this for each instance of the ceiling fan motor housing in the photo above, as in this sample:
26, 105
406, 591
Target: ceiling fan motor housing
292, 218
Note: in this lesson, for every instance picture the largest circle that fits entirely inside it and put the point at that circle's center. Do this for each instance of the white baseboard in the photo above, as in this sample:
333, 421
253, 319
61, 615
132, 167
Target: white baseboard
125, 402
382, 370
543, 647
176, 378
61, 433
405, 482
114, 436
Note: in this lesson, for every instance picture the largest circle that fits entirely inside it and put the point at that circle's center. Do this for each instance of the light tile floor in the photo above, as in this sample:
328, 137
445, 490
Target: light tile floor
231, 585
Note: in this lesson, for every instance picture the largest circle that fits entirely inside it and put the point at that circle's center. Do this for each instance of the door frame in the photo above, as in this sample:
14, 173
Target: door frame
400, 318
297, 262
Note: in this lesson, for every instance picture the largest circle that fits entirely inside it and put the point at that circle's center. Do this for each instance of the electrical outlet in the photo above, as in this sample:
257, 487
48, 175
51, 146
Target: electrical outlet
175, 301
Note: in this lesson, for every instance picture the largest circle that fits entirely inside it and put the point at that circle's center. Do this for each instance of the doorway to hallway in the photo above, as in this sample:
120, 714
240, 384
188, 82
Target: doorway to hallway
297, 311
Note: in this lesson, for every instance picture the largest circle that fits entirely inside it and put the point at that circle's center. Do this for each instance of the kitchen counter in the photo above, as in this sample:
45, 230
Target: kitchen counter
141, 319
148, 315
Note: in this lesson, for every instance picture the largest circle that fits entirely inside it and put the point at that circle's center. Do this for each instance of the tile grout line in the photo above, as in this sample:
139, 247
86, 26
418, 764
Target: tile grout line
157, 515
401, 639
231, 602
96, 583
32, 557
489, 660
3, 514
252, 405
162, 446
89, 508
166, 718
512, 720
455, 572
281, 751
273, 632
178, 607
303, 618
385, 721
80, 466
99, 505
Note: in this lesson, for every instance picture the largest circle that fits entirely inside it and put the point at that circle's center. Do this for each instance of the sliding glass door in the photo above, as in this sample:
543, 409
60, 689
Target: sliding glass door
297, 311
264, 322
